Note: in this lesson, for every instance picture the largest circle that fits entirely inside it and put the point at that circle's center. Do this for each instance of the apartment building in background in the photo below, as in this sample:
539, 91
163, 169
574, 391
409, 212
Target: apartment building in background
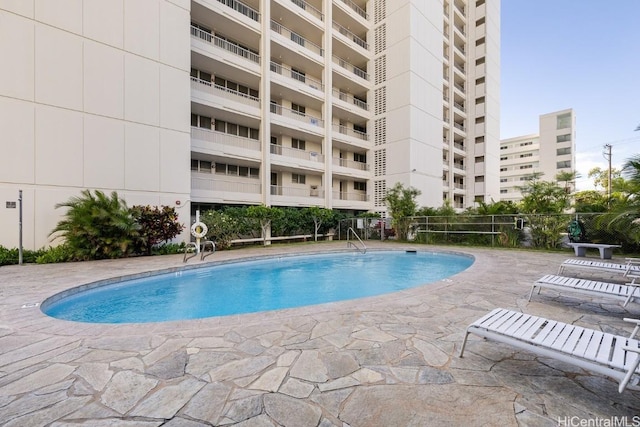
204, 103
549, 152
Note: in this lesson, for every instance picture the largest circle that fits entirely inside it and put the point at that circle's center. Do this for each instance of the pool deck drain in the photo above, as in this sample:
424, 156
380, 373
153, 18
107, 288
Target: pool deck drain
385, 360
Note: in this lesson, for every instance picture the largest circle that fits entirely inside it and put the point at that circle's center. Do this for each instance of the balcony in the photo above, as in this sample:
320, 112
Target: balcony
296, 115
345, 130
350, 164
214, 188
308, 8
301, 191
295, 75
356, 197
351, 36
221, 43
459, 126
351, 68
360, 11
350, 99
296, 38
459, 106
242, 8
296, 153
225, 93
224, 144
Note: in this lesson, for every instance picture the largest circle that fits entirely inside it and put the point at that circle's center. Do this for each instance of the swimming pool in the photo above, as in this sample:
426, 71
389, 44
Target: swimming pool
254, 286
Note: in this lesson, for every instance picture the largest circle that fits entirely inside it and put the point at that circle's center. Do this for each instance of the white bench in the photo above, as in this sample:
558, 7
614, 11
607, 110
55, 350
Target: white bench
606, 251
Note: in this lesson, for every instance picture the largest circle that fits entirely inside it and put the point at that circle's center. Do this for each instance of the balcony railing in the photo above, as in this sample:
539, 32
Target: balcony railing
459, 67
309, 8
347, 97
223, 138
355, 70
211, 182
459, 126
296, 153
293, 114
242, 8
357, 40
279, 190
356, 197
224, 44
460, 9
296, 38
458, 146
295, 75
352, 164
360, 11
223, 92
345, 130
459, 106
459, 86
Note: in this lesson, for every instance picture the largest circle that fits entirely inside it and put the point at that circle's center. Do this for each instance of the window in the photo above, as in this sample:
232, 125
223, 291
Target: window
298, 75
564, 121
504, 147
504, 158
503, 179
298, 143
300, 109
235, 170
563, 151
480, 159
524, 144
563, 138
480, 41
479, 178
526, 155
526, 167
358, 128
503, 191
479, 81
503, 169
200, 166
480, 61
480, 100
298, 178
360, 157
563, 164
359, 186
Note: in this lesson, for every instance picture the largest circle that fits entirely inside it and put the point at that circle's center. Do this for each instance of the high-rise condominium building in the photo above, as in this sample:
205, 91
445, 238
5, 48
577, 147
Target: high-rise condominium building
202, 103
549, 152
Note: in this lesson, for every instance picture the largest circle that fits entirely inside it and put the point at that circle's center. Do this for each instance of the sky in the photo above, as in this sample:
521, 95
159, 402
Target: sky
580, 54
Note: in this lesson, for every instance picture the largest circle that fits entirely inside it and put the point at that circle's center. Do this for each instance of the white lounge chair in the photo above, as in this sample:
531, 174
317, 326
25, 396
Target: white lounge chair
607, 354
632, 265
593, 288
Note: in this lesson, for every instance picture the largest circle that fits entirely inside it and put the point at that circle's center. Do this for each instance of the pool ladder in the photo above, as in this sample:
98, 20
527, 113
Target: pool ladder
350, 243
203, 253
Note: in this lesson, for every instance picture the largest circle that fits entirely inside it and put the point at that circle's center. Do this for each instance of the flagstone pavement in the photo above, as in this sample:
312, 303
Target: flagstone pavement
389, 360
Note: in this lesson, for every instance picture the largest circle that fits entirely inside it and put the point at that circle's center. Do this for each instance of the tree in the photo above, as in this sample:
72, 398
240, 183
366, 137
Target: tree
319, 215
589, 201
156, 225
402, 205
97, 226
543, 197
601, 178
264, 215
569, 178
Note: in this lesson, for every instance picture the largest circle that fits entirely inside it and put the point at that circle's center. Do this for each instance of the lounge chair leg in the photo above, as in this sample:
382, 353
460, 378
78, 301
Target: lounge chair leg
464, 343
531, 293
632, 370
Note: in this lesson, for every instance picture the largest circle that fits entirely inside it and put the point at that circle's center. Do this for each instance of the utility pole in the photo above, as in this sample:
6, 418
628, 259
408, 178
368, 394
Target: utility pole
607, 156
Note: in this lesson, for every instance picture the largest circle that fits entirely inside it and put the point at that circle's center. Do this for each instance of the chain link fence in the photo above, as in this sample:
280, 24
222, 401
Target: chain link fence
535, 231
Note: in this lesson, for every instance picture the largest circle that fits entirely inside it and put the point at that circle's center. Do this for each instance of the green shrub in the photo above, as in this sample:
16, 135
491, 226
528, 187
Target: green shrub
60, 253
168, 249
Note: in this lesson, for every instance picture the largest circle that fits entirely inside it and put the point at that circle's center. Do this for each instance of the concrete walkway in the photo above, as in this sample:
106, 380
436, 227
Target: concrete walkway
381, 361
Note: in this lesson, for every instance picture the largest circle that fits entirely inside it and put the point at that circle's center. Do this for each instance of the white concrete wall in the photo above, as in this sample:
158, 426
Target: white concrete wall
95, 95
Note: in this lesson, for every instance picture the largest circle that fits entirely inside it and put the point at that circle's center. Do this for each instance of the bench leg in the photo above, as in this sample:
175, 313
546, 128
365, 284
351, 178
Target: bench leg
606, 253
580, 251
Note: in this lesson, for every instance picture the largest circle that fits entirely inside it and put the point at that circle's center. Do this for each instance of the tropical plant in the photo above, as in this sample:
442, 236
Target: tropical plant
402, 205
264, 216
97, 226
318, 215
543, 197
157, 225
222, 227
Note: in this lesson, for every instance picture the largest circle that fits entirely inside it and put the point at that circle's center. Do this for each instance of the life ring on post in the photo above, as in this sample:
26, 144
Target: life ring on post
199, 230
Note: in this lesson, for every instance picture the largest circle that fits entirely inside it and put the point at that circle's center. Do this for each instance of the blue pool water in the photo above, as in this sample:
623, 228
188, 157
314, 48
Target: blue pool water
253, 286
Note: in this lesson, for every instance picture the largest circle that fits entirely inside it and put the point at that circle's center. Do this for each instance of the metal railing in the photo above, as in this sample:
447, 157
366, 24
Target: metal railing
279, 150
297, 115
224, 44
352, 36
347, 97
223, 92
296, 38
309, 8
360, 11
297, 76
205, 182
242, 8
355, 197
351, 232
345, 130
303, 191
216, 137
351, 164
350, 67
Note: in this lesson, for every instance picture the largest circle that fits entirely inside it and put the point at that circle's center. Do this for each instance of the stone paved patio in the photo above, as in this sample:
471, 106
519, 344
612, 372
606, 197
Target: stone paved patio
382, 361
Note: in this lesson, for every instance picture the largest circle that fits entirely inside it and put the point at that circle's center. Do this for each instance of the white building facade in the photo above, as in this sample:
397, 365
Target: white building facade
548, 153
203, 103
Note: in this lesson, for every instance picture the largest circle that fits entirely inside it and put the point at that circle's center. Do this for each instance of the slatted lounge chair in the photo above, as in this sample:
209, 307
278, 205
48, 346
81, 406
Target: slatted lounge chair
593, 288
607, 354
632, 265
